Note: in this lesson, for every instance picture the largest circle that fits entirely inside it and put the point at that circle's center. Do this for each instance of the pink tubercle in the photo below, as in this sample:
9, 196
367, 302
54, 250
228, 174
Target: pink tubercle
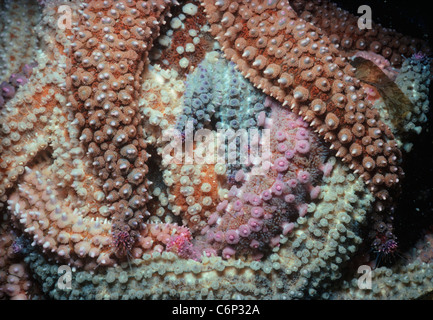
290, 154
275, 241
278, 188
282, 147
302, 134
261, 119
291, 125
257, 212
213, 218
218, 236
281, 164
222, 205
302, 209
205, 229
240, 175
302, 146
18, 79
292, 183
238, 205
255, 224
268, 102
232, 237
228, 252
209, 252
314, 192
287, 227
244, 230
303, 176
254, 244
267, 195
280, 136
289, 198
7, 90
326, 168
255, 200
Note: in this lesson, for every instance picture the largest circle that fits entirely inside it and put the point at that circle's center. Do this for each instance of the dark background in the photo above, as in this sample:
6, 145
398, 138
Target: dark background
413, 17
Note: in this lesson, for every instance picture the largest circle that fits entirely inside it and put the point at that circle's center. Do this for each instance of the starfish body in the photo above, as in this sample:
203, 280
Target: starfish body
75, 140
108, 57
96, 82
342, 28
293, 61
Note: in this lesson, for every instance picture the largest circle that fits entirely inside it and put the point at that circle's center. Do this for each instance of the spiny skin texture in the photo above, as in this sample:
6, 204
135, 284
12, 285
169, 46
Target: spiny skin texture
410, 280
18, 41
296, 63
163, 237
398, 103
108, 57
16, 281
184, 40
218, 97
414, 81
160, 102
304, 70
261, 208
342, 28
96, 82
25, 119
305, 265
58, 204
400, 95
195, 190
16, 80
50, 209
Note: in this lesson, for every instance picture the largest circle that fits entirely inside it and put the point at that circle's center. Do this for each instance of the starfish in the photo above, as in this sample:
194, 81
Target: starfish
296, 63
344, 31
301, 65
95, 80
76, 139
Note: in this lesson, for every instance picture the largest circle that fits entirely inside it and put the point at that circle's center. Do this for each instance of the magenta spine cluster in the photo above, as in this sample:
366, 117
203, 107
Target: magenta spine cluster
16, 80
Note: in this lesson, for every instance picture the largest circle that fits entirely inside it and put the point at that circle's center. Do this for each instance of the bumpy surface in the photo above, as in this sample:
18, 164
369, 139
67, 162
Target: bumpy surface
108, 57
261, 207
307, 262
302, 68
96, 106
342, 28
18, 41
